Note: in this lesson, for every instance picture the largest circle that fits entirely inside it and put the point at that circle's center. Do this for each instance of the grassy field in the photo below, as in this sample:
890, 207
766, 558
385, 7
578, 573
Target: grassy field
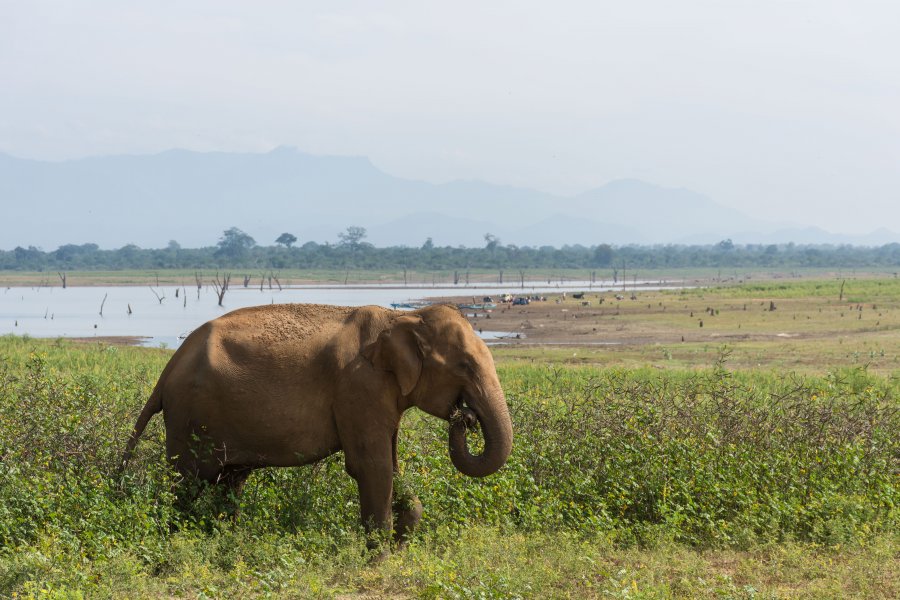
187, 277
425, 278
633, 476
816, 326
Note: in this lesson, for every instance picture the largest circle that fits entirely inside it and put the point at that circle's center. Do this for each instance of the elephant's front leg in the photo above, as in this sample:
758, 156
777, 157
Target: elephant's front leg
371, 466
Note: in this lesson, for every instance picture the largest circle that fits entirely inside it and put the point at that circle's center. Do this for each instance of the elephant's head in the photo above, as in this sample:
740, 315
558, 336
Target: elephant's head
443, 367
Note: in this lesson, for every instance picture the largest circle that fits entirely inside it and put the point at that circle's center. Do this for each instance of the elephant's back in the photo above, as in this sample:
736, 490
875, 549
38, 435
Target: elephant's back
253, 380
274, 323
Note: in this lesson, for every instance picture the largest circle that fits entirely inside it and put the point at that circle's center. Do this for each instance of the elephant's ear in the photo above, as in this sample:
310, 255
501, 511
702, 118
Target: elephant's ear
399, 349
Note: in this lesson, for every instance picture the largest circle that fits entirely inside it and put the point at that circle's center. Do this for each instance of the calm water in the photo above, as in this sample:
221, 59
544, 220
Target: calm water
75, 311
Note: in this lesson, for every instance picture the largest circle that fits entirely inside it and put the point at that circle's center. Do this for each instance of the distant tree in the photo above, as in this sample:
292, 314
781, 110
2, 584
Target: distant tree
726, 244
353, 237
31, 253
286, 239
237, 249
70, 253
128, 254
234, 244
602, 256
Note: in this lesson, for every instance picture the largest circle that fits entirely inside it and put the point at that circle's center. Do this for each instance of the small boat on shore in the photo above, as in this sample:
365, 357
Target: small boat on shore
409, 305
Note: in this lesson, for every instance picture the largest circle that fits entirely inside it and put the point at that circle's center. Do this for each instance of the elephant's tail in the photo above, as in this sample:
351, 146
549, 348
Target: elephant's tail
153, 406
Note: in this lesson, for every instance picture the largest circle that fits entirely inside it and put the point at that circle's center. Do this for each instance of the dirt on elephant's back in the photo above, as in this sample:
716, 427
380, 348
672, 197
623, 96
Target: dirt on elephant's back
287, 321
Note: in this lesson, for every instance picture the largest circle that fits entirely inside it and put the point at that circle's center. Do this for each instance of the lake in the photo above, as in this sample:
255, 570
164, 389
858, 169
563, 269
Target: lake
50, 312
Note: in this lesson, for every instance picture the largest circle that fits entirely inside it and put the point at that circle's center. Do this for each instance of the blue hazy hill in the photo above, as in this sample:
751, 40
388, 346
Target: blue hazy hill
192, 197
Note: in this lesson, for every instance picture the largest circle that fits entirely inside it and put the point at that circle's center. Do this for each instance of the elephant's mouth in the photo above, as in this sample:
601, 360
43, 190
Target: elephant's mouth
462, 413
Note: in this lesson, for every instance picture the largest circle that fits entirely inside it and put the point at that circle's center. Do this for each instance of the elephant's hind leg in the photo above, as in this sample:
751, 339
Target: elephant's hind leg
232, 481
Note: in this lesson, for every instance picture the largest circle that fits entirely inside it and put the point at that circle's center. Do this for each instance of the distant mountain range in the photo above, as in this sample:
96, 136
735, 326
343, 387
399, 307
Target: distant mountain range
191, 197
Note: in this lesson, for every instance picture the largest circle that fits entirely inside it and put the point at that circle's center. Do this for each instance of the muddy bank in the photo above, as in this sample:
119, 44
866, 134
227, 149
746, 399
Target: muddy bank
591, 319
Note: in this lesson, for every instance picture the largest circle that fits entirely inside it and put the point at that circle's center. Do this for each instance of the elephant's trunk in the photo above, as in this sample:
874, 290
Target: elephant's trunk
496, 427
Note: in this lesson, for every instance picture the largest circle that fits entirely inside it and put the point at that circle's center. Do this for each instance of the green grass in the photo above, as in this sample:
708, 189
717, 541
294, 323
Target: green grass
811, 329
638, 483
855, 289
774, 278
187, 276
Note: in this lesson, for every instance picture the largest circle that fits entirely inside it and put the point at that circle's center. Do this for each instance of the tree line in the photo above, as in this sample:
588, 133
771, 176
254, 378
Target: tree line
237, 249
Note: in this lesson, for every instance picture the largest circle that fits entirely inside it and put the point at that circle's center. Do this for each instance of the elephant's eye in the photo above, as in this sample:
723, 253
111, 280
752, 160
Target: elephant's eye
466, 367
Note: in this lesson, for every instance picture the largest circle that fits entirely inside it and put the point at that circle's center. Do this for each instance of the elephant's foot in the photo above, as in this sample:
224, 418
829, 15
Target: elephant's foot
231, 485
409, 513
378, 545
186, 491
380, 555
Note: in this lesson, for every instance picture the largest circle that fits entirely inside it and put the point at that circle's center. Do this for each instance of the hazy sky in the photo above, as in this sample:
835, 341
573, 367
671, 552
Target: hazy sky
785, 110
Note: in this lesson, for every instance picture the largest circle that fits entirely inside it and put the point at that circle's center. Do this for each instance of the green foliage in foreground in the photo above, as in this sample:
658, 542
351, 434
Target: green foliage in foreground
602, 459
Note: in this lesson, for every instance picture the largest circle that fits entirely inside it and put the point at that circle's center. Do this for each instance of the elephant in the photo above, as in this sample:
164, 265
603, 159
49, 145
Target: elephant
289, 384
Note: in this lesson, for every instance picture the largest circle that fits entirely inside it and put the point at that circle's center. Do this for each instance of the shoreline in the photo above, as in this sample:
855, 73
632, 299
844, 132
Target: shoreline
807, 326
135, 341
572, 284
510, 280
